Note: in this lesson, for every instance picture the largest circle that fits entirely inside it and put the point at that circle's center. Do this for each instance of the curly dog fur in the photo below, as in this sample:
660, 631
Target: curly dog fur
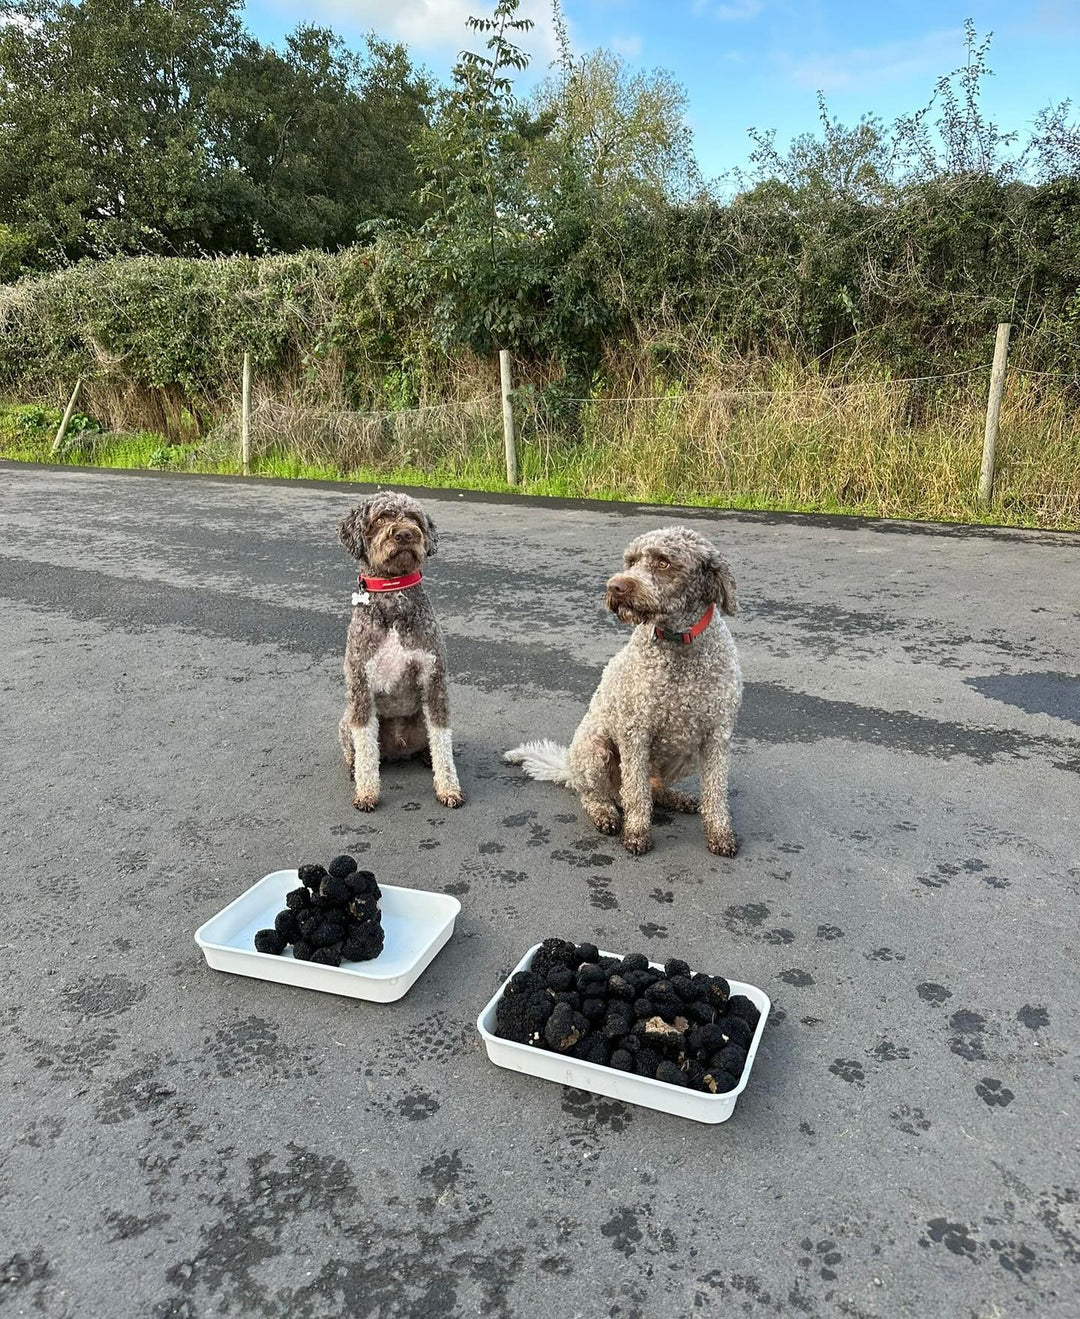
397, 703
661, 705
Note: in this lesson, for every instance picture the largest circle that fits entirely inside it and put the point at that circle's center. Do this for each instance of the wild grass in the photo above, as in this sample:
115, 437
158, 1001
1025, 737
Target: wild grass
774, 438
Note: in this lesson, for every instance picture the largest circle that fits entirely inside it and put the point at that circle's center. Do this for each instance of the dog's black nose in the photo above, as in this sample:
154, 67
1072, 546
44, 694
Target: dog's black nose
404, 536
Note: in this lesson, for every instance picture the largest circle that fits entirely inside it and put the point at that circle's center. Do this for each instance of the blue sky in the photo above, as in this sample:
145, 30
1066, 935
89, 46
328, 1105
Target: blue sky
756, 62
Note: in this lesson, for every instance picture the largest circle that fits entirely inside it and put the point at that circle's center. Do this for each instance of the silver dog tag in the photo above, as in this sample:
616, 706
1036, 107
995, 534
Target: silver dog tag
361, 598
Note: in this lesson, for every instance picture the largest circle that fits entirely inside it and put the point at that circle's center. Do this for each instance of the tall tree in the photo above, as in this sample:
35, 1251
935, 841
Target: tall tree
161, 126
103, 124
315, 140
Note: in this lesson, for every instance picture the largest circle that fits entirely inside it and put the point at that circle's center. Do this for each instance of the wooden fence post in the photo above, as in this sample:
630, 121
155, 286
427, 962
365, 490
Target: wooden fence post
69, 412
508, 418
245, 416
993, 413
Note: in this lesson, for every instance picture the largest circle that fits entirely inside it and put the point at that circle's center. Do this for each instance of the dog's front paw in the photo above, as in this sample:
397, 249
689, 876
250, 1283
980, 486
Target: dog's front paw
365, 800
637, 844
606, 821
721, 842
452, 797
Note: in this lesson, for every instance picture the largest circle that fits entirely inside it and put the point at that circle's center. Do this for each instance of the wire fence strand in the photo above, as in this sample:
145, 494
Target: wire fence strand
780, 393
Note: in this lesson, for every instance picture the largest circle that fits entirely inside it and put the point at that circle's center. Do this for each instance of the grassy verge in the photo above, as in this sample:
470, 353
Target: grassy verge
878, 452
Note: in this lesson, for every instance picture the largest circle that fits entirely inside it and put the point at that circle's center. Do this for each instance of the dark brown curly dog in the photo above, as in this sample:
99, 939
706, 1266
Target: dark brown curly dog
395, 662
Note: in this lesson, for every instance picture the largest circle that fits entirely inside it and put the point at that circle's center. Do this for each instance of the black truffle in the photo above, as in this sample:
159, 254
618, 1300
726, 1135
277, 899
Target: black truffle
342, 865
297, 898
559, 977
320, 902
270, 941
538, 1007
592, 1009
592, 1049
720, 1082
617, 987
618, 1021
719, 991
676, 967
635, 962
729, 1059
303, 951
523, 982
700, 1012
363, 907
695, 1074
707, 1040
587, 952
686, 989
553, 952
363, 885
327, 956
521, 1016
564, 1028
335, 889
735, 1031
363, 943
512, 1023
648, 1060
740, 1006
672, 1074
311, 876
623, 1061
590, 978
324, 931
285, 924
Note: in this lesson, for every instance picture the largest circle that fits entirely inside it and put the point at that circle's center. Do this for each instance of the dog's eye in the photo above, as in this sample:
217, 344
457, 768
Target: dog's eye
661, 565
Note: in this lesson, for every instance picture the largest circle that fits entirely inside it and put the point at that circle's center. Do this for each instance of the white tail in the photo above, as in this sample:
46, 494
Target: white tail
543, 760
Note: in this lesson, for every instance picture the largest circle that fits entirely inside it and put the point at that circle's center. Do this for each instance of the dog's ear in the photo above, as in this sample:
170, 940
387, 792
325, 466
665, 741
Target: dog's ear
431, 532
720, 584
352, 527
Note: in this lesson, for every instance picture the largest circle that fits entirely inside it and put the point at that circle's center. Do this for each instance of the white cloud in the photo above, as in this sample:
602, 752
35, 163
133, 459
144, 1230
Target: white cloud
869, 67
432, 27
630, 46
730, 11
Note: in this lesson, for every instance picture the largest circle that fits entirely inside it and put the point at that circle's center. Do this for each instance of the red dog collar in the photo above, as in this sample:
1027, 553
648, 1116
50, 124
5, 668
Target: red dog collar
389, 583
686, 637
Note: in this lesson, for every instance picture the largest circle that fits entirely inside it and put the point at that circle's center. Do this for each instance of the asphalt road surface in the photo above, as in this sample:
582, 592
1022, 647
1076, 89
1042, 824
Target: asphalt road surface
178, 1142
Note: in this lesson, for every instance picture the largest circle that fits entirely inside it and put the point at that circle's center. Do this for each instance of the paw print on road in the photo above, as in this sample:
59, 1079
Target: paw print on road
847, 1069
823, 1255
993, 1093
910, 1120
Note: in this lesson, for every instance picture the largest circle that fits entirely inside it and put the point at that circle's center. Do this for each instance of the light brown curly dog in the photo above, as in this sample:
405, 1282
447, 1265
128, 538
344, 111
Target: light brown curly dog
668, 699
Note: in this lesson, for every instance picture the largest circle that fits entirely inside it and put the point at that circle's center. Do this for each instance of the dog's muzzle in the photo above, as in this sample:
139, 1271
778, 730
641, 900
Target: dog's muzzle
629, 600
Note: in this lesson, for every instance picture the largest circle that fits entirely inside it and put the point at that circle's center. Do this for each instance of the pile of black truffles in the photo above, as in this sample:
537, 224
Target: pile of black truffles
687, 1030
333, 917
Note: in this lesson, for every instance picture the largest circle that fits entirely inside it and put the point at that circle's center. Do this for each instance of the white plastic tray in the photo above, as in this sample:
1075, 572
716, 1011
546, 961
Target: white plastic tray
416, 925
643, 1090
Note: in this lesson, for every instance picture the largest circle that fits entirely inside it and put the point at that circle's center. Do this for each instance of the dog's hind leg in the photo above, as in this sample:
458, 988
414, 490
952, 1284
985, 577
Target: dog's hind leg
594, 771
671, 800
